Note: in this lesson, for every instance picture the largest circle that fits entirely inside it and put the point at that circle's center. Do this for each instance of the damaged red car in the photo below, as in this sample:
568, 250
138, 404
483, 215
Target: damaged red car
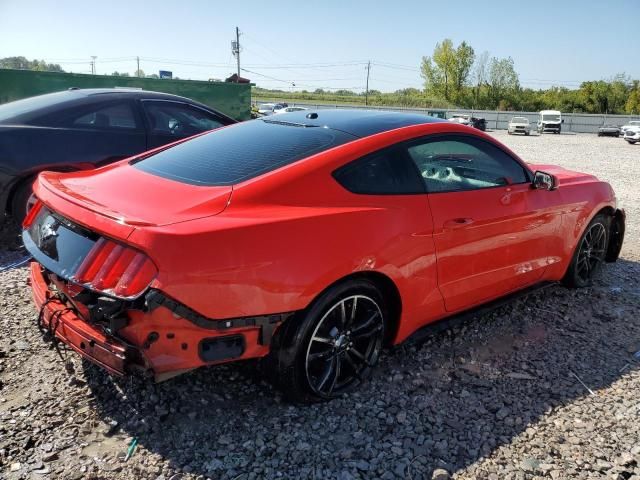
311, 241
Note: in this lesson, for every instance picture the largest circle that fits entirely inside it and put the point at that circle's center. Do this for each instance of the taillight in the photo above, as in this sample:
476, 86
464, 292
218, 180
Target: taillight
32, 214
115, 269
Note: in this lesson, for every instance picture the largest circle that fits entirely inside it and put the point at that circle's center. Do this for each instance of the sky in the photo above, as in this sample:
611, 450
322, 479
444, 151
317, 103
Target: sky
295, 45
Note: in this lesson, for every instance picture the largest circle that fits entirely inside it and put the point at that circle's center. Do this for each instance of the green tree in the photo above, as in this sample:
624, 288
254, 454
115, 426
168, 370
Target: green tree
447, 71
21, 63
438, 69
464, 58
632, 106
502, 80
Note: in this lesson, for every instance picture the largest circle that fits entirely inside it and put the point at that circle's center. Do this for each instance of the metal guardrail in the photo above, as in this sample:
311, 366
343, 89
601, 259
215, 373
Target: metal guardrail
496, 120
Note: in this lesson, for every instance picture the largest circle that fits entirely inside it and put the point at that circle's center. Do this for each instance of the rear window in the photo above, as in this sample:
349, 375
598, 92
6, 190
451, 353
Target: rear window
234, 154
14, 110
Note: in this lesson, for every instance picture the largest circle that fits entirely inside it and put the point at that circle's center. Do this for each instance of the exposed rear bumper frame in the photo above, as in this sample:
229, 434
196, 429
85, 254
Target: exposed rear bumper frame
65, 324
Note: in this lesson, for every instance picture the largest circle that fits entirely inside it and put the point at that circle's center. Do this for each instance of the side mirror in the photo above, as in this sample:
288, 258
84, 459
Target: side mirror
544, 181
562, 121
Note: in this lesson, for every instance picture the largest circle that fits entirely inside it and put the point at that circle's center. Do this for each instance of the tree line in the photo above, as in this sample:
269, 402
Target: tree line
21, 63
454, 76
457, 75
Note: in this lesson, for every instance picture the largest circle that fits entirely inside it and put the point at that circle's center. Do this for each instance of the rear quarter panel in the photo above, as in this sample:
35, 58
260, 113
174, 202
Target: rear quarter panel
290, 234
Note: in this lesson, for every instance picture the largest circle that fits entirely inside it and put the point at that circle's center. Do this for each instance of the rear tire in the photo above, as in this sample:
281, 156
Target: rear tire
331, 347
22, 201
589, 254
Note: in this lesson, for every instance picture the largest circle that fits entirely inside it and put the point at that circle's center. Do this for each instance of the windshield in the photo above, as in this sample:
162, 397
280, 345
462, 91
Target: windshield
519, 120
634, 122
266, 106
551, 117
234, 154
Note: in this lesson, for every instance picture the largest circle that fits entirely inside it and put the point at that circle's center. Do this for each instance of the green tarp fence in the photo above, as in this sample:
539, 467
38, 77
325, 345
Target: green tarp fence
234, 99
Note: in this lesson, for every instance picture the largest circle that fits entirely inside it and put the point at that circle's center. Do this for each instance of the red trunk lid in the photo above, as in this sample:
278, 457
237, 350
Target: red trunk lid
133, 197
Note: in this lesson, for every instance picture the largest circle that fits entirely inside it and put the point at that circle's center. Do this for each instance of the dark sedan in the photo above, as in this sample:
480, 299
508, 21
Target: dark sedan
607, 130
82, 129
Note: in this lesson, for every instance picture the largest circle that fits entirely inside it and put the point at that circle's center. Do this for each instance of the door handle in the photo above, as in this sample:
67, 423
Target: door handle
457, 223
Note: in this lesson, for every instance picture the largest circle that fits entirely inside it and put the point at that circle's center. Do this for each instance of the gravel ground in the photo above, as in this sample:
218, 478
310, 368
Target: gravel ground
546, 387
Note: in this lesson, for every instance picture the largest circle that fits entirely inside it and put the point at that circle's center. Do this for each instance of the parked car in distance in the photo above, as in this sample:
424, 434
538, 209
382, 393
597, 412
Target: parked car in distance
479, 123
266, 109
550, 121
519, 125
434, 219
79, 129
290, 109
463, 119
632, 134
609, 130
632, 123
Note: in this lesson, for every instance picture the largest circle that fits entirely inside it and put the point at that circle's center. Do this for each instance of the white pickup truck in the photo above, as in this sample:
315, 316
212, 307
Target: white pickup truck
550, 121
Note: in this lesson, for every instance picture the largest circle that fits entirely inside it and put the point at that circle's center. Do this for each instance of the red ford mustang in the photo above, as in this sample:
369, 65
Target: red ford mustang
311, 240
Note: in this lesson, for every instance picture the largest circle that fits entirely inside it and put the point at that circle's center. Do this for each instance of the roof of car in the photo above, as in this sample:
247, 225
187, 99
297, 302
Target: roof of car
134, 92
360, 123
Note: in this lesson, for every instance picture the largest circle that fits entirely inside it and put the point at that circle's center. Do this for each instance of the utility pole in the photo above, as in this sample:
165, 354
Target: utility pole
366, 93
235, 49
93, 64
138, 69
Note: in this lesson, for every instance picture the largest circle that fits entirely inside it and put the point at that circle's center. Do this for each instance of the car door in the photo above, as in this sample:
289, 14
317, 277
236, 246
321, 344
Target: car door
169, 121
488, 238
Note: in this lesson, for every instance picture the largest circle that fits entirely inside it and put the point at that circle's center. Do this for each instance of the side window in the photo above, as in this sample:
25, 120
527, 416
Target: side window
113, 116
464, 163
381, 173
179, 119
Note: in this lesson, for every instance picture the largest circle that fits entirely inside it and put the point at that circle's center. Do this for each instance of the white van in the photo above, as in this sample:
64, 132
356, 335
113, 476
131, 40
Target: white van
550, 121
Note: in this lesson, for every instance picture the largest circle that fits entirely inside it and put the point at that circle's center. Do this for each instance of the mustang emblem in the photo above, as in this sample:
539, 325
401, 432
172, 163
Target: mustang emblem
47, 235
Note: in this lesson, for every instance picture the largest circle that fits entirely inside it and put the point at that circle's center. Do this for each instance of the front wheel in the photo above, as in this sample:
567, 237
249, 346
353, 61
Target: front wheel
631, 142
330, 349
589, 254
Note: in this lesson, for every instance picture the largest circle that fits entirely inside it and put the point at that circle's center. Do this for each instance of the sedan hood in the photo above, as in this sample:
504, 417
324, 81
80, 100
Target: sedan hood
133, 197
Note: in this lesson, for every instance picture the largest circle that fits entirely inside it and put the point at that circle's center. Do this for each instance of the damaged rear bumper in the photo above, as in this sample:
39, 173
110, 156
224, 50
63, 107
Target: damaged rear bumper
69, 328
156, 335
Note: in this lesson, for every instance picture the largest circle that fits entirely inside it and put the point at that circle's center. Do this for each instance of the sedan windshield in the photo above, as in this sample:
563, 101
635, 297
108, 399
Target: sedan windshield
519, 120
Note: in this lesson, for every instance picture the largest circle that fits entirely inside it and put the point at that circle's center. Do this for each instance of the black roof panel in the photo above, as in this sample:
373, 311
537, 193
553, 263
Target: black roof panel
360, 123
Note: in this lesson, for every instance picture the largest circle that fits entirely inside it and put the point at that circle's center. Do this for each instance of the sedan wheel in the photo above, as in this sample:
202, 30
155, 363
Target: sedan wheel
23, 200
344, 344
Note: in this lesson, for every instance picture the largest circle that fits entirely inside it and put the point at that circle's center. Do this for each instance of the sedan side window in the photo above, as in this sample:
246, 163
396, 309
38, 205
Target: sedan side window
113, 116
380, 173
464, 163
172, 118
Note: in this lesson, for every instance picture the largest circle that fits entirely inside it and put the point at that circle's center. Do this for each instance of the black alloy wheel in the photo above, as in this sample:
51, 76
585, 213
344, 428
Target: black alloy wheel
331, 347
345, 343
592, 252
